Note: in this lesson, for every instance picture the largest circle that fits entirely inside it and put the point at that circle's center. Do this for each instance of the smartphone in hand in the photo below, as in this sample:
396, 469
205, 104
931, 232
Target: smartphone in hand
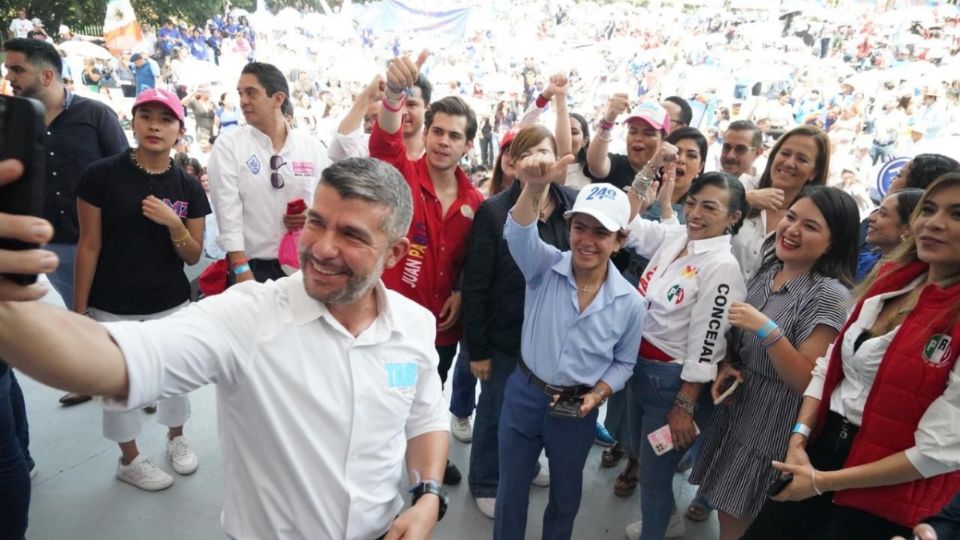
566, 407
22, 136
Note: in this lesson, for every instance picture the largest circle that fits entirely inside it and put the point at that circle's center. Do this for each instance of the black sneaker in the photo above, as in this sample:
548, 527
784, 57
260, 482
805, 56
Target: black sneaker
451, 476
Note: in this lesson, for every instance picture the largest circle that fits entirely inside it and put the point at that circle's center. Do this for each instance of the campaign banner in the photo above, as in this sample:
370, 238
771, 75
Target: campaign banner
413, 16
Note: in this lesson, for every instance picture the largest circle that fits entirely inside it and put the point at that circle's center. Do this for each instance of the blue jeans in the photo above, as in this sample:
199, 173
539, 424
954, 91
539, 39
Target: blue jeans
653, 389
62, 277
14, 477
19, 408
484, 474
526, 428
617, 419
463, 395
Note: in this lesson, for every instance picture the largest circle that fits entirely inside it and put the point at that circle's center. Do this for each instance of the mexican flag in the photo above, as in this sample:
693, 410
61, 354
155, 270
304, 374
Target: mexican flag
120, 28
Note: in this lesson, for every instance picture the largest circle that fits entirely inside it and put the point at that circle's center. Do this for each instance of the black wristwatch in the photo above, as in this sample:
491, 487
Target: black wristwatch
432, 488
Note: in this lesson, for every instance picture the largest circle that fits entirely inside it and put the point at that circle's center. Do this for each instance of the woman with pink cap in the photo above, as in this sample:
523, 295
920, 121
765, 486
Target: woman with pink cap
141, 219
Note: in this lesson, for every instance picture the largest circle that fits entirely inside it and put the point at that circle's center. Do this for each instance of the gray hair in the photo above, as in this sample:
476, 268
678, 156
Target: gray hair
373, 180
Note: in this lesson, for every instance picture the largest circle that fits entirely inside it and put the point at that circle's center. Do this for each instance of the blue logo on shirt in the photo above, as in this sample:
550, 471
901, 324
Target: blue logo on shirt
253, 164
401, 375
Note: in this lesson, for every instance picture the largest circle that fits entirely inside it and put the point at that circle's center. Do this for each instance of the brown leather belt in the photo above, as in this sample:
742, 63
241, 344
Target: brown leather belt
552, 390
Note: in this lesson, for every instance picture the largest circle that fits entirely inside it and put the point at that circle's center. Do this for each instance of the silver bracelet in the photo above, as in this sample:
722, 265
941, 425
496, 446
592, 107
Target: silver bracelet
685, 404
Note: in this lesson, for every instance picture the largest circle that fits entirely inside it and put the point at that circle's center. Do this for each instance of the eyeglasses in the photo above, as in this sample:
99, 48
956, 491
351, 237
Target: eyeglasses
275, 163
738, 149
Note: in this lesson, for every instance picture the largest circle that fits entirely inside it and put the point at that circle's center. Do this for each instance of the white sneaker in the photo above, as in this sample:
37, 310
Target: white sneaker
487, 505
461, 429
181, 456
542, 478
142, 473
675, 529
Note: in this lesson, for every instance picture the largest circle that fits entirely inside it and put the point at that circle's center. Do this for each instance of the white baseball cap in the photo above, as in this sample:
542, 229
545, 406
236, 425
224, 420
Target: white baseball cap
605, 202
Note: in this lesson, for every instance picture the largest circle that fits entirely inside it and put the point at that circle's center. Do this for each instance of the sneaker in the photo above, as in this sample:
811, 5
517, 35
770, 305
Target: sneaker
181, 456
451, 476
486, 505
32, 468
675, 529
142, 473
542, 478
461, 429
602, 437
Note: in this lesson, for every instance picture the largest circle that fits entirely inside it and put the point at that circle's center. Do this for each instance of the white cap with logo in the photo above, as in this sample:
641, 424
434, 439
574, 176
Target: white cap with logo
605, 202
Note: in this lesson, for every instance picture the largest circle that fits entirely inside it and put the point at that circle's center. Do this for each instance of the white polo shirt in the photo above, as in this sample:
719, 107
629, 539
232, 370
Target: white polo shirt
313, 422
687, 297
249, 209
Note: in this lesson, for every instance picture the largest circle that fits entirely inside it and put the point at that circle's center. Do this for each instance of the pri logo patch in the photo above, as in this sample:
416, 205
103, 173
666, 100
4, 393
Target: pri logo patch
937, 350
675, 294
253, 164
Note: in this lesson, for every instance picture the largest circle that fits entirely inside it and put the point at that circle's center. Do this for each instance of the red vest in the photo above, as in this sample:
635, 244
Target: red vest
914, 372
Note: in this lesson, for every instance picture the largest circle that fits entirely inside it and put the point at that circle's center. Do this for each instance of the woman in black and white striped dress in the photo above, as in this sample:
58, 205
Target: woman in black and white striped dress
795, 306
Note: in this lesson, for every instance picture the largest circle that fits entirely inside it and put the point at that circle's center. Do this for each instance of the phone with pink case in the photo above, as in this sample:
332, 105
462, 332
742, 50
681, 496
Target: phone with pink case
662, 441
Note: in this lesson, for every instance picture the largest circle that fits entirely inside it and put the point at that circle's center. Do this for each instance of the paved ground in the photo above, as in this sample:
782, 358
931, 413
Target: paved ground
76, 495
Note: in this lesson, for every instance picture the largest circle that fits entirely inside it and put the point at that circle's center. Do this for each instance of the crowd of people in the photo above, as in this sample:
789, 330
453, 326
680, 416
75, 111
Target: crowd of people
701, 241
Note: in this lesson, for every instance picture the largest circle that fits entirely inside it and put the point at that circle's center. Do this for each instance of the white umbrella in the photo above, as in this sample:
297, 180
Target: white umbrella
85, 49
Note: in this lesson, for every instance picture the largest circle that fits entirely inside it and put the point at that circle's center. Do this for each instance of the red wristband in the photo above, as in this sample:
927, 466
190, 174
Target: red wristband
542, 101
386, 105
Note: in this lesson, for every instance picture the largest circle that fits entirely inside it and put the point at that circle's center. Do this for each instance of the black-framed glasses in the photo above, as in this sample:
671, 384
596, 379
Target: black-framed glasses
738, 149
275, 163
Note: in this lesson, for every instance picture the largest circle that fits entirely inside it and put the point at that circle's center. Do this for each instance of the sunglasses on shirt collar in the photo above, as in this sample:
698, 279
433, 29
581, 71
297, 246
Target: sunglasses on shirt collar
275, 163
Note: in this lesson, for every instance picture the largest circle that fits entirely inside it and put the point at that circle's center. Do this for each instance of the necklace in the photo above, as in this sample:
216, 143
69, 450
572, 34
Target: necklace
588, 288
133, 157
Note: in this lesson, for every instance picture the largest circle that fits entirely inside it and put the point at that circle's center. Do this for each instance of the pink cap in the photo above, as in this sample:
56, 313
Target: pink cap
508, 137
653, 114
163, 97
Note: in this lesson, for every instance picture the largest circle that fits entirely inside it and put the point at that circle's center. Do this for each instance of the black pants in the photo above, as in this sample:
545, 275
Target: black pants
817, 518
446, 353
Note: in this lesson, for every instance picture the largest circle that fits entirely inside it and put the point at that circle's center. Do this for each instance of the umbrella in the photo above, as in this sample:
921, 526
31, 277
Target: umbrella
85, 49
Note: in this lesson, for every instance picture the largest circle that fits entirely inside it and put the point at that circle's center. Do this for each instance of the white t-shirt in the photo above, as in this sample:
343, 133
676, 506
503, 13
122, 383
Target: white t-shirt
313, 422
21, 27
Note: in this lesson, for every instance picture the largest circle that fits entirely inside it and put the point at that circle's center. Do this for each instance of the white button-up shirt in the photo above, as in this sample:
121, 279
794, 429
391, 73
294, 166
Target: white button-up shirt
937, 449
354, 144
313, 422
687, 297
249, 209
748, 244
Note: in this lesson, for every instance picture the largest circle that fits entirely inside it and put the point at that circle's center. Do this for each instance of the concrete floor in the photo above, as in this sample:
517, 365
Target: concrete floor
76, 496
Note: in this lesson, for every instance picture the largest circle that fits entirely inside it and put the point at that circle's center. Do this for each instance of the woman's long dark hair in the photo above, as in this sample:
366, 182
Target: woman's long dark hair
842, 215
585, 130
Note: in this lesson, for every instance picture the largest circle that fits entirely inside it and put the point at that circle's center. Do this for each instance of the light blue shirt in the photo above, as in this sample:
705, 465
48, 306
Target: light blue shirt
561, 345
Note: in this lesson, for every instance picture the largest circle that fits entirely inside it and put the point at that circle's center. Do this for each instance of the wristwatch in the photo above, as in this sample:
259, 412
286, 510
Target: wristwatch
432, 488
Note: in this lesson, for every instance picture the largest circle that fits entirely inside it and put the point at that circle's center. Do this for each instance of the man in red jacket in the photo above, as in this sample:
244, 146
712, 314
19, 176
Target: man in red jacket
444, 201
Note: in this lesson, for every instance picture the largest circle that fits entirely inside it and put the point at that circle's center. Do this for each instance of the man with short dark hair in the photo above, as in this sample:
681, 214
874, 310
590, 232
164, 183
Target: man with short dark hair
79, 132
326, 380
680, 112
145, 76
444, 204
255, 170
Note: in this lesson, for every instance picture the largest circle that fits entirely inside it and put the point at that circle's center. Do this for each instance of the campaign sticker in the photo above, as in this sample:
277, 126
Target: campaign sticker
303, 168
253, 164
466, 211
401, 375
937, 350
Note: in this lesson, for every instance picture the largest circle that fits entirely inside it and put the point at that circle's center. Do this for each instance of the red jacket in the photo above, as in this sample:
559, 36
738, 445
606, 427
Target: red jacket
430, 271
914, 372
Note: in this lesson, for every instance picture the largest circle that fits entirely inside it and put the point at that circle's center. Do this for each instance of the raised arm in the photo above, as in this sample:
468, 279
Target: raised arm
558, 91
373, 93
598, 163
401, 75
